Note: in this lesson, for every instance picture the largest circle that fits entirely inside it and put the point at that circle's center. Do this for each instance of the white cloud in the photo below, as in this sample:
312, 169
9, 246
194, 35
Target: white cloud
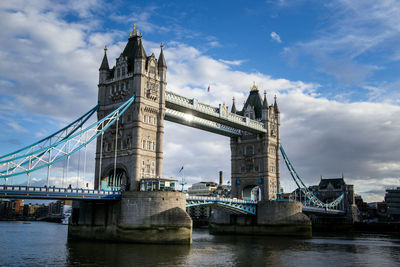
275, 37
232, 62
16, 126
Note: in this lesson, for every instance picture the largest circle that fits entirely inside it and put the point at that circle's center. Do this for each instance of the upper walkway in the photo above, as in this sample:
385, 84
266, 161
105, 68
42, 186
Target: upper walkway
190, 110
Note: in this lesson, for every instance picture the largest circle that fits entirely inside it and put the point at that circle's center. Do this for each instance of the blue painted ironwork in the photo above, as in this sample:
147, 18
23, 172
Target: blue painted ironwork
304, 189
309, 209
36, 157
232, 204
72, 128
35, 192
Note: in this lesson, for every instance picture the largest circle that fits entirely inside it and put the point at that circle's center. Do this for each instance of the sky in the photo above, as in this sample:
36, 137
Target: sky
332, 65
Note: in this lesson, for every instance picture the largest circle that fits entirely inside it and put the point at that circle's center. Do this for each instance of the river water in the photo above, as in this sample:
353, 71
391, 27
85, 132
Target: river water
45, 244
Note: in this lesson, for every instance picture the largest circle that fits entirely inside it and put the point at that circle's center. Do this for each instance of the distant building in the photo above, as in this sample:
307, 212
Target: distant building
30, 210
222, 191
42, 211
56, 208
392, 199
11, 209
202, 189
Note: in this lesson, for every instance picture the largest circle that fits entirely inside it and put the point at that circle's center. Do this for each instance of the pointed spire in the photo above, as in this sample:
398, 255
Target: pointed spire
233, 110
265, 102
140, 53
104, 63
254, 87
161, 59
134, 32
276, 109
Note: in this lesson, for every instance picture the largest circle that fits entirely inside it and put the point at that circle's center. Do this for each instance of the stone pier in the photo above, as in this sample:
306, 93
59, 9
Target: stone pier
273, 218
140, 217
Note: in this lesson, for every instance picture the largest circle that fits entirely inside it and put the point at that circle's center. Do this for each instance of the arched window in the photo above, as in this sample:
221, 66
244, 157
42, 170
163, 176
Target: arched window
249, 150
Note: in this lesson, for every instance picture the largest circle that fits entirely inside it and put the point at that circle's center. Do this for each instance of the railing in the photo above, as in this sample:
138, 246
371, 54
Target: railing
323, 210
220, 199
36, 192
56, 190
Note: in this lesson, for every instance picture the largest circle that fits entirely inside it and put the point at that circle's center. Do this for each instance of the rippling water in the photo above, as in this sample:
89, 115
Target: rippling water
45, 244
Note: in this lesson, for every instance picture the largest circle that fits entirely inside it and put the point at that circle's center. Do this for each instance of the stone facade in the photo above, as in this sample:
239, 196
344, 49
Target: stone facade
140, 129
255, 157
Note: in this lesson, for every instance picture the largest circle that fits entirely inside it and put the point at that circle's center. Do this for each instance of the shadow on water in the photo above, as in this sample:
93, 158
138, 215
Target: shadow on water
124, 254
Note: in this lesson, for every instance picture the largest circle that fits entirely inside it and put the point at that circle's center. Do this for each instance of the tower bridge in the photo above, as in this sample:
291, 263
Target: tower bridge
133, 104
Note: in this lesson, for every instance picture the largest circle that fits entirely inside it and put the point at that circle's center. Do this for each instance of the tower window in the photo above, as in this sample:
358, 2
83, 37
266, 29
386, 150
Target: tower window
148, 145
249, 150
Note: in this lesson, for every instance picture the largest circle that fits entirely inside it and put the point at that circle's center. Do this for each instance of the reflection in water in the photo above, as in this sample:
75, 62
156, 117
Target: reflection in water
43, 244
122, 254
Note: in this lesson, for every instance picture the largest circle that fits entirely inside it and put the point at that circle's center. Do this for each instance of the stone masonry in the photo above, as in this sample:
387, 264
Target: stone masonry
140, 129
255, 157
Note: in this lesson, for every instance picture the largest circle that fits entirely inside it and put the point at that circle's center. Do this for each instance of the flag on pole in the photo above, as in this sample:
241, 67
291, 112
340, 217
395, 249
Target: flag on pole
208, 89
180, 169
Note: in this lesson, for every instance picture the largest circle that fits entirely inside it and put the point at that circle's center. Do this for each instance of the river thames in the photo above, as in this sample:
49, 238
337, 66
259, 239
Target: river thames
45, 244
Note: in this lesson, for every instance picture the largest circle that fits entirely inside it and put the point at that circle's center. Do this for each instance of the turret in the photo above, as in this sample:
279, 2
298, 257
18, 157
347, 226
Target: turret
253, 106
265, 108
233, 110
104, 69
162, 66
276, 109
140, 57
140, 53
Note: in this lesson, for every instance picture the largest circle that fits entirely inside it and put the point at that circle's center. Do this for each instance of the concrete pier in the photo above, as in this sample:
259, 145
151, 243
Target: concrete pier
139, 217
273, 218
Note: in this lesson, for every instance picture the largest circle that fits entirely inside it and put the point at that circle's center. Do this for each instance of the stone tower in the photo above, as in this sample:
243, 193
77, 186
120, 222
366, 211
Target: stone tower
255, 157
139, 146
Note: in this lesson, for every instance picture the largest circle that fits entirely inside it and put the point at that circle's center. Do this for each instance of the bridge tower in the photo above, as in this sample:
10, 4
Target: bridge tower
137, 144
255, 157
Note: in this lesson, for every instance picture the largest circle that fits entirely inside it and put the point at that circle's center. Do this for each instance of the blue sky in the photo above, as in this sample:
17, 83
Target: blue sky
333, 66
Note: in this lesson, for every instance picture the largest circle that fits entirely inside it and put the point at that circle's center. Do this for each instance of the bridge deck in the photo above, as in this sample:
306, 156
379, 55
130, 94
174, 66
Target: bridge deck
233, 204
322, 211
35, 192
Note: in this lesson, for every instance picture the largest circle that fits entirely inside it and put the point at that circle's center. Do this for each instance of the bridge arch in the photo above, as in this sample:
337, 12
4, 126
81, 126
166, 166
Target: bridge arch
119, 182
252, 192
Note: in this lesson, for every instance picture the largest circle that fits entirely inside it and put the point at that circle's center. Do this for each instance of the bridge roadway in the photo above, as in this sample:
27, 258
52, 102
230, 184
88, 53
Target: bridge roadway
238, 206
35, 192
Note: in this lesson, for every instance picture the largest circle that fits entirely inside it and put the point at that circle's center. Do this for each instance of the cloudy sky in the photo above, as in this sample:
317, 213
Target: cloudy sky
333, 67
